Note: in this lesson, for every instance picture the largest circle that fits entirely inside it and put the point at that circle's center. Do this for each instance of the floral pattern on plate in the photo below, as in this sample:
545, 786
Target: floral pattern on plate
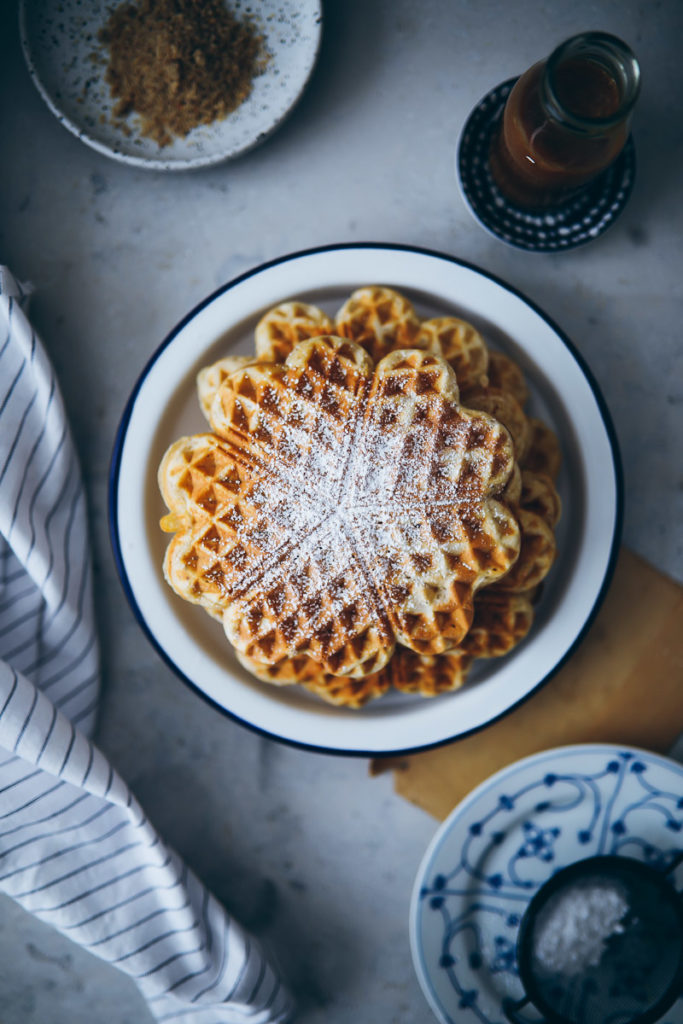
508, 837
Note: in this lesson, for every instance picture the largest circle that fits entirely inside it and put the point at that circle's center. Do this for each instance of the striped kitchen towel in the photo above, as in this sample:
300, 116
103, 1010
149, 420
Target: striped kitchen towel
76, 848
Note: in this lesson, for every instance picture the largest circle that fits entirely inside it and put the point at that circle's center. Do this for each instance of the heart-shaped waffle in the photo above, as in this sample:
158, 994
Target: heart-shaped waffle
501, 621
504, 373
506, 409
337, 510
284, 326
460, 344
425, 674
543, 454
344, 691
537, 554
381, 320
539, 495
211, 378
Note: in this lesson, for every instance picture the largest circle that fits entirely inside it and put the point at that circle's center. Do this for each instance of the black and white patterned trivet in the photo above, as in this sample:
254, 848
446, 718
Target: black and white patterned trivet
581, 218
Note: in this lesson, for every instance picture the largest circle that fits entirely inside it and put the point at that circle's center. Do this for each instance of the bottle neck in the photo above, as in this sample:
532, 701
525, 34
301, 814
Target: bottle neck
590, 84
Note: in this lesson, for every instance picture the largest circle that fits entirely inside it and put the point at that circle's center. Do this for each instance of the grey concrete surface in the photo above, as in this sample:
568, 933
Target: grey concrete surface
309, 851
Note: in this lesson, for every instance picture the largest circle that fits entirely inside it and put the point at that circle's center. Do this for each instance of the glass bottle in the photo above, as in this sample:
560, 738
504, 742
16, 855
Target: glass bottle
566, 119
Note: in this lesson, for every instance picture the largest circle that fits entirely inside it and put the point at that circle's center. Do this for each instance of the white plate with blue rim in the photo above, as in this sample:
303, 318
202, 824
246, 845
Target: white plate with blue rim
508, 837
67, 64
164, 406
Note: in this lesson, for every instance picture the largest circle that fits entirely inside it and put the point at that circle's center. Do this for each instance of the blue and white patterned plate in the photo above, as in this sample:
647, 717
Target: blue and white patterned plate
67, 65
582, 217
508, 837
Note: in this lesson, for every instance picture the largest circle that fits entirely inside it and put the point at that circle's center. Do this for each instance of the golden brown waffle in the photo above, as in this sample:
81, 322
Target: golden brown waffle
383, 321
428, 675
460, 344
340, 510
543, 454
513, 489
536, 556
504, 407
540, 496
340, 690
284, 326
501, 621
380, 319
229, 522
288, 672
505, 374
197, 478
212, 377
351, 693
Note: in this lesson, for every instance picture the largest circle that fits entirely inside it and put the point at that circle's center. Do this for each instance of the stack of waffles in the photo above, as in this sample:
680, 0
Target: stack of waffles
371, 508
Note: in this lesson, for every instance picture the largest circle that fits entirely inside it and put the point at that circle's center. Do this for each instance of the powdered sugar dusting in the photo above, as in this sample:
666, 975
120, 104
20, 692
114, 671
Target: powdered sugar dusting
376, 489
574, 928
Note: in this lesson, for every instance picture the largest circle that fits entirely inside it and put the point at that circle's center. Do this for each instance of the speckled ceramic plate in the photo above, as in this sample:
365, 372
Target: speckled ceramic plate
67, 64
508, 837
164, 407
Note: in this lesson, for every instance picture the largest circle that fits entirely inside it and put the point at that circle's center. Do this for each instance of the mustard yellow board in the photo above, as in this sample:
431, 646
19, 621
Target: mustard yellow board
623, 685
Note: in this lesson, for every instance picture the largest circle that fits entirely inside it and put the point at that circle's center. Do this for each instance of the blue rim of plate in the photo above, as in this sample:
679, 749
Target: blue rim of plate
580, 219
539, 845
117, 452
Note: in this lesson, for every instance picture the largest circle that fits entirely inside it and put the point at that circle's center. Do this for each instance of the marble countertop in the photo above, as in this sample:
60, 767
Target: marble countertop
308, 850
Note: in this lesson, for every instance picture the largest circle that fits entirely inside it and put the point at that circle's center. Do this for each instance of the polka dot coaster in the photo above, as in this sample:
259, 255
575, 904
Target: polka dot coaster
581, 218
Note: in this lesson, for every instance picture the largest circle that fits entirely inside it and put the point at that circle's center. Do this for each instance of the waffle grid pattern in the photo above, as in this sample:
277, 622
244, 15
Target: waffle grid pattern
416, 544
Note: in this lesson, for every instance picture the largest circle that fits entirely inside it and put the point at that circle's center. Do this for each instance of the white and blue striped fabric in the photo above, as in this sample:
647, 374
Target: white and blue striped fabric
76, 849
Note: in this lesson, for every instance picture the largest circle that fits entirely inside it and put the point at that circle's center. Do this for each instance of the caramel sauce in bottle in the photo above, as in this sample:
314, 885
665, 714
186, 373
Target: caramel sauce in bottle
565, 120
